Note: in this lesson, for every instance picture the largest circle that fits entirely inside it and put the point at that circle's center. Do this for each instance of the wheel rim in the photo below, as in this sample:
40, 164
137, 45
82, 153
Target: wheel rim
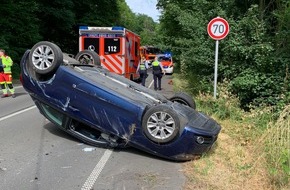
161, 125
86, 59
43, 57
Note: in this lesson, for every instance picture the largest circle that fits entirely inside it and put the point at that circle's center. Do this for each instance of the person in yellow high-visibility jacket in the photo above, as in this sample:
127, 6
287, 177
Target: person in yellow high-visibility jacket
158, 72
6, 74
142, 69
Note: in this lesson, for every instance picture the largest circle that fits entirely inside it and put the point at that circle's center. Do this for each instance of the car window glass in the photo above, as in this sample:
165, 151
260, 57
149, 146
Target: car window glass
92, 44
112, 45
52, 114
164, 58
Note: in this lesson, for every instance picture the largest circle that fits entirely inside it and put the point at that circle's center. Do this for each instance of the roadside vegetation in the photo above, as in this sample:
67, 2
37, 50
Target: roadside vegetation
253, 148
253, 95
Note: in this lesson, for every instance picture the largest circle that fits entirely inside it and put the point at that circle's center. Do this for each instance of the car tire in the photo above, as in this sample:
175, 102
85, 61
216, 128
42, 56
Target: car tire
88, 57
45, 57
161, 124
184, 99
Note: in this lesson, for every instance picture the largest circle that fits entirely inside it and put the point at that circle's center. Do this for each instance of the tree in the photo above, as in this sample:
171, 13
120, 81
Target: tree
19, 27
253, 52
56, 21
127, 19
141, 24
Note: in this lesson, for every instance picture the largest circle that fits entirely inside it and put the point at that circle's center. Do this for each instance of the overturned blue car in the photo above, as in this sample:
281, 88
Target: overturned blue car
106, 110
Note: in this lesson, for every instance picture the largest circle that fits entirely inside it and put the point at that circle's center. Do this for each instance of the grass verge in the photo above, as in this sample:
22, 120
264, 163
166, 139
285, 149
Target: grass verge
252, 151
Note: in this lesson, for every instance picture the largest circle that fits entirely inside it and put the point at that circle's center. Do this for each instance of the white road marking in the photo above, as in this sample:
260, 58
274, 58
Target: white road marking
150, 84
98, 168
18, 86
89, 184
16, 113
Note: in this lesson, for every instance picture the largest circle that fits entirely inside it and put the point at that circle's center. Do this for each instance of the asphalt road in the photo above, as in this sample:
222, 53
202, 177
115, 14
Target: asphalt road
36, 155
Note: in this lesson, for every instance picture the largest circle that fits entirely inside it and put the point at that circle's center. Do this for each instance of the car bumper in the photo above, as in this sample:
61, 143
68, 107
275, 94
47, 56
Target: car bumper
186, 147
168, 70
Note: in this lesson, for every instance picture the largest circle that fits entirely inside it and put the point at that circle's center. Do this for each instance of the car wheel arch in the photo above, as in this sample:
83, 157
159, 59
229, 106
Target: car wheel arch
183, 98
88, 57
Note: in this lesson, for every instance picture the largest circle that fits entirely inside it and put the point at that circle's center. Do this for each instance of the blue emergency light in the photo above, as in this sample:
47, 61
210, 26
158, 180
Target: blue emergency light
167, 54
83, 27
117, 28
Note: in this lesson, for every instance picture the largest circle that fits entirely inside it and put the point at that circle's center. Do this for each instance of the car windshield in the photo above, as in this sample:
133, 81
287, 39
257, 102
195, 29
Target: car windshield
164, 58
153, 50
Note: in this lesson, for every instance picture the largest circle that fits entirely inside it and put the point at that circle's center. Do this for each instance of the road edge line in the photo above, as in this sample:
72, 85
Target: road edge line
16, 113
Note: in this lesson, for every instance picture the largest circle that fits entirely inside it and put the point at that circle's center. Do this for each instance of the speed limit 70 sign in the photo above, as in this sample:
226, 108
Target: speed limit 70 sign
218, 28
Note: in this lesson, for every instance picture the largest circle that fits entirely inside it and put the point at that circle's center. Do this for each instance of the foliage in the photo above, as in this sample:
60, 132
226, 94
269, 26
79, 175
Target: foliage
20, 29
61, 19
259, 78
141, 24
19, 26
253, 57
252, 150
253, 65
277, 140
258, 87
184, 33
146, 27
26, 22
127, 17
56, 19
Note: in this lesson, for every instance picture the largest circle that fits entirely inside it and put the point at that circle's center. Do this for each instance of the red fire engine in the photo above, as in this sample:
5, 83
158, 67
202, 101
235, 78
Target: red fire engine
117, 47
149, 52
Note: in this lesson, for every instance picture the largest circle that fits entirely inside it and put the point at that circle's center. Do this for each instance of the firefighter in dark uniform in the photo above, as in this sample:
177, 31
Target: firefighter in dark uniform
157, 73
142, 69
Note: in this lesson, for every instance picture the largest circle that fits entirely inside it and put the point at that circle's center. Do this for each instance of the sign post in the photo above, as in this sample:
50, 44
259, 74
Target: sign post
218, 28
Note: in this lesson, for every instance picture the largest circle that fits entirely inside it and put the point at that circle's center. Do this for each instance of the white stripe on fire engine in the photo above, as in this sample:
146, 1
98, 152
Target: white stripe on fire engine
121, 60
114, 62
117, 59
108, 65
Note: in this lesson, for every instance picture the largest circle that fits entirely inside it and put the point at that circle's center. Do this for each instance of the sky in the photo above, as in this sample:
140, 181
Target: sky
147, 7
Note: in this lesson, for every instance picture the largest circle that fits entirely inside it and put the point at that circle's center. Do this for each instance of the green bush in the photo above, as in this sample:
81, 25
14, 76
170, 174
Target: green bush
254, 88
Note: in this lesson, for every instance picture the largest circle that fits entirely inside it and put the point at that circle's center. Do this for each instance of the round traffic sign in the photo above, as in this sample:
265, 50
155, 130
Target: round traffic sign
218, 28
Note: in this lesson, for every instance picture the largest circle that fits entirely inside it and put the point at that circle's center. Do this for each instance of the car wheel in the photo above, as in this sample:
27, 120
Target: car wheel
184, 99
88, 57
161, 124
45, 57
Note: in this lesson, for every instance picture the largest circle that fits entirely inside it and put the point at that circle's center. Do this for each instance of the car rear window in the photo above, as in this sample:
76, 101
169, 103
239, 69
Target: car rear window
164, 58
92, 44
112, 45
